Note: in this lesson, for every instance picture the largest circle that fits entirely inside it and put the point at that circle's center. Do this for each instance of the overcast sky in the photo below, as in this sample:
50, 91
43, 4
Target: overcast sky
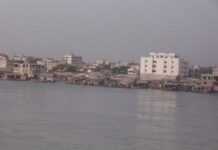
113, 29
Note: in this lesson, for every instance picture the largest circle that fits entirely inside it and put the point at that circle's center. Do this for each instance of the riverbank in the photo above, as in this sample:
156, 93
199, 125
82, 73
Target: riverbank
196, 86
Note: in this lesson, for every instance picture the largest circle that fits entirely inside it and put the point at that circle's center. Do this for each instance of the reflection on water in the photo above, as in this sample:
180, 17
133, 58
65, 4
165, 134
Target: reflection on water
35, 116
169, 120
156, 119
151, 106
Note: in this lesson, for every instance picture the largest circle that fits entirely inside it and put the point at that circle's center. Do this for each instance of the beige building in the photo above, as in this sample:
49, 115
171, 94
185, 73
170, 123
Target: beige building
133, 69
215, 71
4, 60
51, 63
160, 66
29, 70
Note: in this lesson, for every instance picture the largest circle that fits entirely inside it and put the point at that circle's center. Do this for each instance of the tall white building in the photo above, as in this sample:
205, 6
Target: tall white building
71, 59
159, 66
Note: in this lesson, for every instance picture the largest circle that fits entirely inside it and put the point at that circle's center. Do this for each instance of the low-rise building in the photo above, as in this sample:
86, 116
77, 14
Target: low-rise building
163, 66
133, 69
215, 71
5, 66
47, 77
3, 61
51, 63
209, 81
194, 72
208, 77
27, 69
198, 71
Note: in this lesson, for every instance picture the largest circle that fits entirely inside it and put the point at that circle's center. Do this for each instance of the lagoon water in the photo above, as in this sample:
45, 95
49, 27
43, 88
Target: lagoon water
38, 116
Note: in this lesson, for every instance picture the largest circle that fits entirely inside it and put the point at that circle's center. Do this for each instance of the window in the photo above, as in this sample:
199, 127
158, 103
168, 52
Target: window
154, 66
154, 61
153, 71
165, 66
164, 71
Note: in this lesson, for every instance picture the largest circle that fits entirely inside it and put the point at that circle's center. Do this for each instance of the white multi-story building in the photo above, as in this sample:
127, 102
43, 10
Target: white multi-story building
71, 59
160, 66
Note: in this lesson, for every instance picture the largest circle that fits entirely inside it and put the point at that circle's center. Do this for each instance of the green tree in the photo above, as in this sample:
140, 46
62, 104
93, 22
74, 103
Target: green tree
120, 70
65, 68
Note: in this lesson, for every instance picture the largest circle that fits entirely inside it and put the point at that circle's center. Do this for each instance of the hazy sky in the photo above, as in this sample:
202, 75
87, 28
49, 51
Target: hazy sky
114, 29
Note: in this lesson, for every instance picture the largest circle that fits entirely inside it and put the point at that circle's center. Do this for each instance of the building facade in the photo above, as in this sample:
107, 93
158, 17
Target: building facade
133, 69
27, 69
4, 61
215, 71
71, 59
51, 63
160, 66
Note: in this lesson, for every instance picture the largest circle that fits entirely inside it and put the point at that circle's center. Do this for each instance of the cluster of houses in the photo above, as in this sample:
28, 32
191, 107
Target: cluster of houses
28, 67
165, 71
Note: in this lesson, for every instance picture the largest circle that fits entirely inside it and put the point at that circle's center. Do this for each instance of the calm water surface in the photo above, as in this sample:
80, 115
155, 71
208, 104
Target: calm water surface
36, 116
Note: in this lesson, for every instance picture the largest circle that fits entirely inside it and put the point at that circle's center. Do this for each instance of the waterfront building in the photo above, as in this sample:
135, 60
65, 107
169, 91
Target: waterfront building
215, 71
163, 66
71, 59
197, 71
133, 69
4, 60
208, 77
194, 72
51, 63
5, 66
47, 77
27, 69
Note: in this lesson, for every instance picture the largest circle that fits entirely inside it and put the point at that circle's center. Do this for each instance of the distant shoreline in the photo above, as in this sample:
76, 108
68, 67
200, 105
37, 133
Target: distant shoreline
112, 87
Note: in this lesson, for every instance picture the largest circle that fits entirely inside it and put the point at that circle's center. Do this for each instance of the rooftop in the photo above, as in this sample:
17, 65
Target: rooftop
161, 54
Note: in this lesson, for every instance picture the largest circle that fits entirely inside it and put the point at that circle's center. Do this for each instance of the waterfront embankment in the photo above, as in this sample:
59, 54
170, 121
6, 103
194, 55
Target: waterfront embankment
124, 81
